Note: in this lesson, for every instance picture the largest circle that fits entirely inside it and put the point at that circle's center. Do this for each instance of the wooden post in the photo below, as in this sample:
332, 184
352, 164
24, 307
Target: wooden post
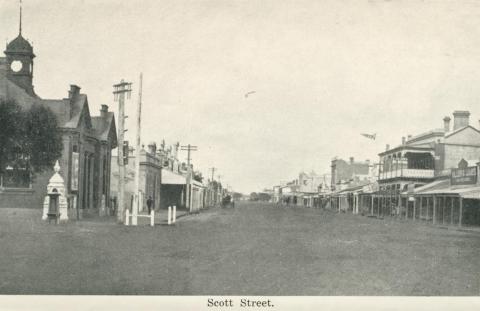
414, 207
407, 206
434, 210
428, 208
420, 214
371, 207
169, 215
460, 212
127, 217
379, 200
152, 218
443, 209
174, 218
451, 210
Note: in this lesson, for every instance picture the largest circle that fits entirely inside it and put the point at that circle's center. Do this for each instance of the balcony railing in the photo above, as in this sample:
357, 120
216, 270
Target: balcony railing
408, 173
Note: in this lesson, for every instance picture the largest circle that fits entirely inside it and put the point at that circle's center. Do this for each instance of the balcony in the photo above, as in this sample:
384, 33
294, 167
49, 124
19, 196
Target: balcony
407, 173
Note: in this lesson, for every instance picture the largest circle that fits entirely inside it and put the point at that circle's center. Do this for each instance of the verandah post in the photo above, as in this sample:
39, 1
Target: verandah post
414, 207
371, 207
460, 212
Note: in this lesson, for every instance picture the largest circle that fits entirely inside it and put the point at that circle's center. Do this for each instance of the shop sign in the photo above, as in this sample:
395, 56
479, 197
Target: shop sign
464, 176
75, 170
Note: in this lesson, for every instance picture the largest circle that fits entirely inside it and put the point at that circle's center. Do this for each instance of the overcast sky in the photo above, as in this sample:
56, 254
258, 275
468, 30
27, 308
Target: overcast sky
322, 71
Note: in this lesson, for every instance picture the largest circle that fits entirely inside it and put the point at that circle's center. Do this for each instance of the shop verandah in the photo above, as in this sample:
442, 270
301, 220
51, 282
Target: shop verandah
461, 208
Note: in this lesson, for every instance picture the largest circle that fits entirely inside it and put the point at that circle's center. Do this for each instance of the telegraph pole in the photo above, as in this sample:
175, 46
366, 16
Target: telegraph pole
220, 188
136, 193
119, 91
213, 171
189, 148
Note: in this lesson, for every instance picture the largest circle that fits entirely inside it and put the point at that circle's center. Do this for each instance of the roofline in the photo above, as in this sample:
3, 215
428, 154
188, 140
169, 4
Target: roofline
434, 132
404, 147
461, 129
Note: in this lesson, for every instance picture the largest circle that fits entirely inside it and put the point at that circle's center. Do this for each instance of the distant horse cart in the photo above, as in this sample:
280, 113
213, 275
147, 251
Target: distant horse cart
227, 201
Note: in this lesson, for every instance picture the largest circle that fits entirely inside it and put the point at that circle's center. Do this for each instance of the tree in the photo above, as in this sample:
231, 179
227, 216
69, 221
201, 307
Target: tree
43, 141
253, 196
262, 196
10, 131
29, 140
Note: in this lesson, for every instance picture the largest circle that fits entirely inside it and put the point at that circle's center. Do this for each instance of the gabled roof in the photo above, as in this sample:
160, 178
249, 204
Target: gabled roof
79, 108
103, 125
460, 130
58, 107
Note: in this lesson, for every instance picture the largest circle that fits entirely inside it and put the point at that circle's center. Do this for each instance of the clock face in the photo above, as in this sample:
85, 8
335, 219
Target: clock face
16, 65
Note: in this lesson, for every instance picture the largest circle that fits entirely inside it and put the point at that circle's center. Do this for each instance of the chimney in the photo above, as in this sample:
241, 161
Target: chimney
387, 147
460, 119
403, 140
74, 91
351, 160
103, 111
409, 137
152, 148
446, 124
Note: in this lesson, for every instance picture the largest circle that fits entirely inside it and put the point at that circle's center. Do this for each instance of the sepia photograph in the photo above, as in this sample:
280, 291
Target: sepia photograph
229, 154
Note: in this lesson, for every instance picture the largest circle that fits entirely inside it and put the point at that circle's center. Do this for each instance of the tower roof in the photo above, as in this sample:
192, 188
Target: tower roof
19, 45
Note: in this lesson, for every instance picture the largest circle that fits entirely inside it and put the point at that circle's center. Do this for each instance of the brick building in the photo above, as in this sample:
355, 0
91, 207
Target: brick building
343, 173
149, 180
420, 159
87, 140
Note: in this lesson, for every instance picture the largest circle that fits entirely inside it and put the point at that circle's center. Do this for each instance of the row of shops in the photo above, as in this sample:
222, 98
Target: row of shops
431, 177
436, 203
166, 182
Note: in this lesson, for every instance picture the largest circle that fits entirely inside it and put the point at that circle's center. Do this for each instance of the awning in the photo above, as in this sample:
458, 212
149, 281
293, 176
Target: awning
468, 191
171, 178
434, 185
443, 187
197, 184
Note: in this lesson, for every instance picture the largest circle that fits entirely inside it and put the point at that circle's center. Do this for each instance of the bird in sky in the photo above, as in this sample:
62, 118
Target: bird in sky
249, 93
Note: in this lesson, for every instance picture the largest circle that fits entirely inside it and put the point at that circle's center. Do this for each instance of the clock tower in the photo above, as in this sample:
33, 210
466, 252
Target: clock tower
20, 57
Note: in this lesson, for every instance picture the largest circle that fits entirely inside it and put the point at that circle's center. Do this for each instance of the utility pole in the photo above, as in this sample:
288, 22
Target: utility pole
136, 193
189, 148
119, 91
220, 188
211, 185
213, 171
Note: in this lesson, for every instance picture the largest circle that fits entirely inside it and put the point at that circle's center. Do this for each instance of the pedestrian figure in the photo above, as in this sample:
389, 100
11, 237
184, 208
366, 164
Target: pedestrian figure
149, 204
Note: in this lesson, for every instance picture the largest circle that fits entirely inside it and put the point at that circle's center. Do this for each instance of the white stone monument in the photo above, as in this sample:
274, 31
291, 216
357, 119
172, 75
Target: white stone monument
56, 185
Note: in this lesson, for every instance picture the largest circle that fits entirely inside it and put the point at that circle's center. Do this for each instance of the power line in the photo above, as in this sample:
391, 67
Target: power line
189, 148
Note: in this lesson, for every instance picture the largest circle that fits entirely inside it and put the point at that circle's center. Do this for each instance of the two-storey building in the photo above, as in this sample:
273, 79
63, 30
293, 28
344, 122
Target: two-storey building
420, 159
